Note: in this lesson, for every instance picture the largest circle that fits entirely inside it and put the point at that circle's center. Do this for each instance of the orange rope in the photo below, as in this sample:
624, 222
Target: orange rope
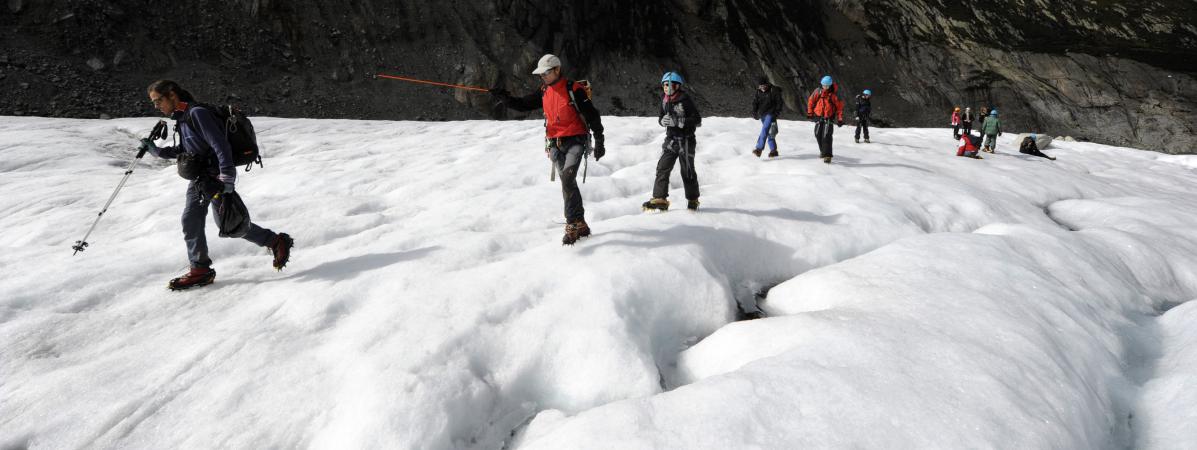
434, 83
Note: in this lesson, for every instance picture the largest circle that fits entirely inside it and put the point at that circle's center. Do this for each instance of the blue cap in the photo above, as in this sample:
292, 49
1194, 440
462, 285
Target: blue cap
826, 81
672, 77
868, 92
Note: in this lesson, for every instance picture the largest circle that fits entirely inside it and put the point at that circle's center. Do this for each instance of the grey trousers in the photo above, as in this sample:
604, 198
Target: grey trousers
195, 211
567, 154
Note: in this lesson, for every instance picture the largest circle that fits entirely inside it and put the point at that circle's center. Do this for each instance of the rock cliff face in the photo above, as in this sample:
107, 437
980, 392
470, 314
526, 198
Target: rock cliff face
1112, 72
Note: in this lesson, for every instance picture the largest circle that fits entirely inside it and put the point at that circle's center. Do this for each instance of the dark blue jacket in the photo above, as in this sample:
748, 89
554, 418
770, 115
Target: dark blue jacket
207, 139
864, 107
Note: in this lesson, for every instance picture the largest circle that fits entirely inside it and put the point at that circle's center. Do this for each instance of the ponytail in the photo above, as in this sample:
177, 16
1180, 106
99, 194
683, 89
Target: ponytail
165, 87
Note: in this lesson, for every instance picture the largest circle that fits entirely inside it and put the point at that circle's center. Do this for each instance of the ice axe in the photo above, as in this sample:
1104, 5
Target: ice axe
159, 132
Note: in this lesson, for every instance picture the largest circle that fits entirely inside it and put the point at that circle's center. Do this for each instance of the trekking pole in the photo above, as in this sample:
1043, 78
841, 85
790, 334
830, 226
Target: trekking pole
585, 164
159, 132
434, 83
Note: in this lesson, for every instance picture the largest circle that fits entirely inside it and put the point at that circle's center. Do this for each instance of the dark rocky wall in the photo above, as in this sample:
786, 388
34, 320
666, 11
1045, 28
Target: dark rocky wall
1112, 72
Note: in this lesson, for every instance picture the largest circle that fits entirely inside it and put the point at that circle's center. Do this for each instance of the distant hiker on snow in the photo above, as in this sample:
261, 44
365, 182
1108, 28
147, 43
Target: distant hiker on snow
569, 120
984, 116
991, 128
825, 106
680, 117
766, 107
969, 145
956, 123
204, 152
966, 121
864, 113
1030, 146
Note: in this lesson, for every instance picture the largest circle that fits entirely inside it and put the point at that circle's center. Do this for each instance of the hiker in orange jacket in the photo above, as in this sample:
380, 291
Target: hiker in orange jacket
825, 106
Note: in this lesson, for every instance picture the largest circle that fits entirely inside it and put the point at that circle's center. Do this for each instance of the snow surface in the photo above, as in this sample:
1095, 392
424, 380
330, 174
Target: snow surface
914, 299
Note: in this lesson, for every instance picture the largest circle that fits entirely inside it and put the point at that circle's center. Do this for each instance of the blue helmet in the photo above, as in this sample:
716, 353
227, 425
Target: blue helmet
826, 81
993, 112
672, 77
867, 92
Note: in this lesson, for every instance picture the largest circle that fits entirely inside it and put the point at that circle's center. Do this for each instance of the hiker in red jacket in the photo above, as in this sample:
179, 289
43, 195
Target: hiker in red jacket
825, 106
956, 123
969, 145
569, 120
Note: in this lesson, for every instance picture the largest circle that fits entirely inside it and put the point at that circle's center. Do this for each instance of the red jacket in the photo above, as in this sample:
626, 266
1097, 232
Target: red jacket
968, 146
955, 118
560, 118
824, 104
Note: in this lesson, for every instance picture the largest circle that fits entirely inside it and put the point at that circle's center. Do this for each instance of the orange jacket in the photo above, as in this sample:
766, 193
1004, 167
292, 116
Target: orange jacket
824, 104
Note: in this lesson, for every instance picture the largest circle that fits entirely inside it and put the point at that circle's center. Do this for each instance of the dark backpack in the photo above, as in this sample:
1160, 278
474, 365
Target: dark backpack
243, 141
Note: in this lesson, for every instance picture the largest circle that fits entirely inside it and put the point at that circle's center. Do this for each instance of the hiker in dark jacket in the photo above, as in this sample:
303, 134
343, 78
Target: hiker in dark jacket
966, 121
570, 118
680, 117
202, 136
766, 107
1030, 146
864, 113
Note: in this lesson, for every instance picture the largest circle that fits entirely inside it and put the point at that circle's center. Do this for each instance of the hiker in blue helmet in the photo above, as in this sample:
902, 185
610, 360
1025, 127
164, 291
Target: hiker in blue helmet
864, 113
991, 129
766, 107
826, 109
669, 78
680, 117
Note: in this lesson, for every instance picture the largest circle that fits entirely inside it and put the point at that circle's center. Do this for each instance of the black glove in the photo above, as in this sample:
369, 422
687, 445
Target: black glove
599, 148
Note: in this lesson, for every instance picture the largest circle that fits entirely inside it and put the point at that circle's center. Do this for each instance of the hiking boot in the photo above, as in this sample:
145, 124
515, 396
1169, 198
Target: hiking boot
826, 160
867, 141
692, 205
857, 140
656, 204
575, 231
757, 152
773, 153
198, 276
280, 247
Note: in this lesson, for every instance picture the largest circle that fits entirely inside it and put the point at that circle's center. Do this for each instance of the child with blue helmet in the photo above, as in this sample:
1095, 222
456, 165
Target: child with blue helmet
864, 113
680, 117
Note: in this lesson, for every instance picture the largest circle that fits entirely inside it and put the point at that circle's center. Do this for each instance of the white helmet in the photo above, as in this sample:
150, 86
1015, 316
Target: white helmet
547, 62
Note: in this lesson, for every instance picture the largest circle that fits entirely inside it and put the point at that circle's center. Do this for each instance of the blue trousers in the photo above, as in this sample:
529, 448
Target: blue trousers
768, 133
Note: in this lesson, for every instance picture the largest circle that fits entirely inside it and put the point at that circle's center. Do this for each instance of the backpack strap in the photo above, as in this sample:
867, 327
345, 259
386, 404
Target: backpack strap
573, 101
